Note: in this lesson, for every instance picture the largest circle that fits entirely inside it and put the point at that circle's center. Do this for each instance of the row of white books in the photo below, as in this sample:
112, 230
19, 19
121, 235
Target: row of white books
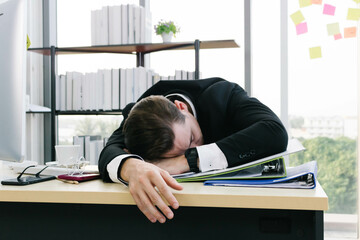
119, 25
107, 89
90, 147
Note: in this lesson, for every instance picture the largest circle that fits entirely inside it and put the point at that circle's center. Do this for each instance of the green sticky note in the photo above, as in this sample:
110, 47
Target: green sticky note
28, 43
304, 3
315, 52
297, 17
333, 29
353, 14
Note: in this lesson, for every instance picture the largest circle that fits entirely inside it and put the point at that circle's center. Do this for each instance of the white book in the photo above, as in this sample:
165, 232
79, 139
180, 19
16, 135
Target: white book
76, 97
177, 74
115, 104
129, 86
191, 75
92, 90
148, 27
107, 89
115, 25
122, 88
142, 24
149, 79
183, 75
85, 92
131, 24
69, 91
93, 28
63, 92
104, 26
100, 90
156, 78
142, 81
136, 77
58, 93
124, 24
80, 140
137, 24
98, 16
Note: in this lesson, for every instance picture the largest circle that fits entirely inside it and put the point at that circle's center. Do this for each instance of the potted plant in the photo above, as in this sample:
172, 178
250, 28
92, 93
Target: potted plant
166, 29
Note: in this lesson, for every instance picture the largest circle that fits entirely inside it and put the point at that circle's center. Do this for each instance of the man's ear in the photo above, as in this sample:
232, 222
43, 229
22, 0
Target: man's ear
181, 105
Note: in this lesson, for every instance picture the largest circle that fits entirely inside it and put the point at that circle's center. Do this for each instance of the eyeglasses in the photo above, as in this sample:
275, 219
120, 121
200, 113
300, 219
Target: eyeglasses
21, 181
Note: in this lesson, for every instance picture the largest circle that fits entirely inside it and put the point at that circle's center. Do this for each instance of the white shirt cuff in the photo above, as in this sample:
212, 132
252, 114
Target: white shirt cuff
113, 167
211, 158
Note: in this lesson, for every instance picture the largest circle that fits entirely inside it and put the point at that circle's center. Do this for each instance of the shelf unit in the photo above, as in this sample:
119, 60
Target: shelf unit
135, 49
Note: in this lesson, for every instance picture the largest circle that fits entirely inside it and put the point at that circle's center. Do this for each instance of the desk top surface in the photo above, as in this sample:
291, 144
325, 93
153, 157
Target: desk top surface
193, 194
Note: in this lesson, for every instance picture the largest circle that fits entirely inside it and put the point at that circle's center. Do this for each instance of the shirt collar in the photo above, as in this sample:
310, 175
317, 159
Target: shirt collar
186, 99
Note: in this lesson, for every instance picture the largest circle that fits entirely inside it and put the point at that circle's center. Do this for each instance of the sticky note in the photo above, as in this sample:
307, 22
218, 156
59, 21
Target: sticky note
329, 9
337, 36
304, 3
357, 1
315, 52
297, 17
317, 1
301, 28
28, 43
353, 14
350, 32
333, 28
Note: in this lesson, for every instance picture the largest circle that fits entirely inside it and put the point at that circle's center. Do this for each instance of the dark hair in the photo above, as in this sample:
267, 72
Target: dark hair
148, 129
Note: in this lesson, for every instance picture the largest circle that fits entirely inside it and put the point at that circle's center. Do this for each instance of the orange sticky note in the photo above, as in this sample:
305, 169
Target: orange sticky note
350, 32
315, 52
316, 1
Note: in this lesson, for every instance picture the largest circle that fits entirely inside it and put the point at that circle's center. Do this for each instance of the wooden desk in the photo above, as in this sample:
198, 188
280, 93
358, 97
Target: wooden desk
97, 210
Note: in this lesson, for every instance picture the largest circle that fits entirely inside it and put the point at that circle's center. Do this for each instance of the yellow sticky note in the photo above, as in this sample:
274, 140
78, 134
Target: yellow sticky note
28, 43
297, 17
357, 1
333, 29
315, 52
350, 32
304, 3
353, 14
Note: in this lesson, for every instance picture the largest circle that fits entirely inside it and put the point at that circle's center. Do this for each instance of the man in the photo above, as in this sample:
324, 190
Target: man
198, 125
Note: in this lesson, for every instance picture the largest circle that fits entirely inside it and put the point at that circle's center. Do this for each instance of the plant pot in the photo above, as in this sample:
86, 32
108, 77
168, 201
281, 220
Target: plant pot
167, 37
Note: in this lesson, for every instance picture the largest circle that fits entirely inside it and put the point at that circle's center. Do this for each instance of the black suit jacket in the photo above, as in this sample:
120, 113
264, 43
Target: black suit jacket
242, 127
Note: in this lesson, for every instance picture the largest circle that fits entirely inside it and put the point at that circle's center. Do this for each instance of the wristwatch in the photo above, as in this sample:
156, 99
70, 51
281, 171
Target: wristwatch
192, 158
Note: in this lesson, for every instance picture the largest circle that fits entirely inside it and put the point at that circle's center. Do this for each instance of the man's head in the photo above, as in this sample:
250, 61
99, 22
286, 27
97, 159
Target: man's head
158, 128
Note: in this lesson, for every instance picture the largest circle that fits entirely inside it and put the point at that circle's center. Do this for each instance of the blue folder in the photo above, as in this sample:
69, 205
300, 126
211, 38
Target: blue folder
302, 176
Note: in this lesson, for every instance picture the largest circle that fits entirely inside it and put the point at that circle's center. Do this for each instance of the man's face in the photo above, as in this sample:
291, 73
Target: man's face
187, 135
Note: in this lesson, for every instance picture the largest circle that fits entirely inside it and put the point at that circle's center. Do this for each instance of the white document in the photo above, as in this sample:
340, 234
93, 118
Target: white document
115, 89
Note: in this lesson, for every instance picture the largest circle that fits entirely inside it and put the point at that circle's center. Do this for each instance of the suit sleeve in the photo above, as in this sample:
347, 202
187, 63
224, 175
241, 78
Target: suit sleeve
114, 147
258, 131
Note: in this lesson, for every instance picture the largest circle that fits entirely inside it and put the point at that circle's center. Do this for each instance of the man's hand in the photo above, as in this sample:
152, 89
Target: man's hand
143, 177
175, 165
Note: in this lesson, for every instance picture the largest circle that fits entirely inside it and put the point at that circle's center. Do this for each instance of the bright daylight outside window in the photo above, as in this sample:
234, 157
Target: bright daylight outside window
322, 76
74, 29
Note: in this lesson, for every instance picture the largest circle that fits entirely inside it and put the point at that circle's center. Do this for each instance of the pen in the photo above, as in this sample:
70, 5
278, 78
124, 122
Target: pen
68, 181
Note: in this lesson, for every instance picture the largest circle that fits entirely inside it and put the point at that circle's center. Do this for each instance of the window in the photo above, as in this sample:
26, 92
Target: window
322, 98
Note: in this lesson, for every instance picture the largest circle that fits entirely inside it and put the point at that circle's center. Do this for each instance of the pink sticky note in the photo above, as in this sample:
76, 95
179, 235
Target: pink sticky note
337, 36
301, 28
329, 9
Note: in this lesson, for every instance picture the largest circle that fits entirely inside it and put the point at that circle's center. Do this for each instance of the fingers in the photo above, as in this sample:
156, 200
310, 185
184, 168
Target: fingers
148, 209
147, 198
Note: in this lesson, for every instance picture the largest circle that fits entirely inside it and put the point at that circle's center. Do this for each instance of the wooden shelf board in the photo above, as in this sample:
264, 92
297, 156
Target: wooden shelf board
138, 48
90, 112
